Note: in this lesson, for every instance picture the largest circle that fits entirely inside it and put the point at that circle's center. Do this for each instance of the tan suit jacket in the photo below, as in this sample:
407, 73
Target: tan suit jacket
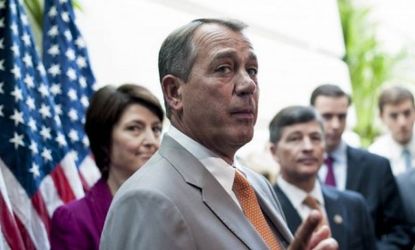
173, 202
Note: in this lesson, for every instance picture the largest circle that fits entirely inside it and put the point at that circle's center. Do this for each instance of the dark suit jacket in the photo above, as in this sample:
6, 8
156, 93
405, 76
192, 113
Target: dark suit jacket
348, 217
406, 184
174, 202
78, 224
371, 176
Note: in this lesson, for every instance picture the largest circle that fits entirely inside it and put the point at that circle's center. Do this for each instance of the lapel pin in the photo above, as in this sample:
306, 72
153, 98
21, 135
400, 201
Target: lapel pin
337, 219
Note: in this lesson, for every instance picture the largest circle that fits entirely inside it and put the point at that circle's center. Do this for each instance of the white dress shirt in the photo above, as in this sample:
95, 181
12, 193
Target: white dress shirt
220, 169
339, 166
297, 196
387, 147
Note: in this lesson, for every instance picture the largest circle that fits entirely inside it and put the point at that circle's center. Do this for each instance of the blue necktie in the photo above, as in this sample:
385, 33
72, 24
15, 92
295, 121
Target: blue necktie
407, 157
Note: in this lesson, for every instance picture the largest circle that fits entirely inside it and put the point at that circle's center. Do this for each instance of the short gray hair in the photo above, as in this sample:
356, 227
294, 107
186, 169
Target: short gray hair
178, 52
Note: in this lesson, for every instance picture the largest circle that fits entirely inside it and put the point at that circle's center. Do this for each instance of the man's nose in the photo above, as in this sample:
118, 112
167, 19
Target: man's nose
245, 84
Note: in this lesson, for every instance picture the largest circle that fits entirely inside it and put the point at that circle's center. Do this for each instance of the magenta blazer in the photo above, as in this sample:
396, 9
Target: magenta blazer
78, 224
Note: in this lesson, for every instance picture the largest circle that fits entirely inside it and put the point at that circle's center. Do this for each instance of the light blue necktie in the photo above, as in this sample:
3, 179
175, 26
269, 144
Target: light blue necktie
407, 157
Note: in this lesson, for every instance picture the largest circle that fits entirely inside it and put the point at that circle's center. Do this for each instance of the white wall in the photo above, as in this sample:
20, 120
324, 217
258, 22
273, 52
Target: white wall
298, 42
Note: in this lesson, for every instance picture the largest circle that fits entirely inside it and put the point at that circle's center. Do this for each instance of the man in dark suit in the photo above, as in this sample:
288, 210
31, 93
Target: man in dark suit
355, 169
189, 195
297, 144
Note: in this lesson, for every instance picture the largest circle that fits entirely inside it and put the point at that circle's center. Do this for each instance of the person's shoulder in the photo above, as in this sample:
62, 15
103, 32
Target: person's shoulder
346, 196
381, 144
365, 155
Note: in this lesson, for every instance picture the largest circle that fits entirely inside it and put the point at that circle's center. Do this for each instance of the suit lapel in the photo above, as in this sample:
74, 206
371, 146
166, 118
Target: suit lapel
293, 218
335, 216
213, 195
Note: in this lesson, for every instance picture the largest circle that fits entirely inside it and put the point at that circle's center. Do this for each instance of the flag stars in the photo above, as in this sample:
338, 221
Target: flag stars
1, 111
72, 94
58, 109
17, 140
17, 117
33, 148
45, 111
29, 81
27, 59
65, 16
82, 82
1, 87
71, 73
41, 70
26, 39
2, 65
45, 133
16, 72
47, 155
15, 50
55, 89
30, 102
80, 43
17, 93
53, 31
74, 155
35, 170
43, 90
70, 54
67, 35
84, 101
2, 43
85, 141
24, 20
73, 135
53, 50
2, 22
73, 115
32, 124
81, 62
14, 28
60, 139
52, 12
54, 70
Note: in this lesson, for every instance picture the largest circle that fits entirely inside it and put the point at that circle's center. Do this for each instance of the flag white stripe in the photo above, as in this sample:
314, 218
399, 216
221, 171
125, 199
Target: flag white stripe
3, 243
71, 173
24, 210
89, 171
50, 195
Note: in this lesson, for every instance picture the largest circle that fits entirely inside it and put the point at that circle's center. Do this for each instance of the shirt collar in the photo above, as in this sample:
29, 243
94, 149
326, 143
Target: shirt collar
218, 167
297, 195
339, 153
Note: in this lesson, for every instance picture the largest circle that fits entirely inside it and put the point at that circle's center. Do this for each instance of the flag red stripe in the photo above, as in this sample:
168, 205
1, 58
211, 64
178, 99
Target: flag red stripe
62, 185
40, 207
28, 242
9, 227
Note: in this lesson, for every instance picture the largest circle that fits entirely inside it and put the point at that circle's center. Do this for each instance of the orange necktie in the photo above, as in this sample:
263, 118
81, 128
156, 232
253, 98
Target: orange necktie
250, 206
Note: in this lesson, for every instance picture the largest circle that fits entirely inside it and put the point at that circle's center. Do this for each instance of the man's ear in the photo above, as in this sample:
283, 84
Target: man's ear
273, 149
172, 90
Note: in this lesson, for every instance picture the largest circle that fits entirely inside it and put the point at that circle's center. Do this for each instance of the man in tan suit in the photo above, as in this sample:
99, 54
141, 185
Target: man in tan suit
189, 195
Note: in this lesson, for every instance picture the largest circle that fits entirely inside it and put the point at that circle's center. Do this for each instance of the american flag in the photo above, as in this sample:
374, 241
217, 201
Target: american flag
38, 171
72, 82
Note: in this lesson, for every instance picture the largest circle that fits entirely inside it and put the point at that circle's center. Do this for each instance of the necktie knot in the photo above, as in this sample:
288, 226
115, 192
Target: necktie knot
240, 183
311, 202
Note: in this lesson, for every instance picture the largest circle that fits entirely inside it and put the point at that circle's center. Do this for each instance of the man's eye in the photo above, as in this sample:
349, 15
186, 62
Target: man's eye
252, 72
224, 69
